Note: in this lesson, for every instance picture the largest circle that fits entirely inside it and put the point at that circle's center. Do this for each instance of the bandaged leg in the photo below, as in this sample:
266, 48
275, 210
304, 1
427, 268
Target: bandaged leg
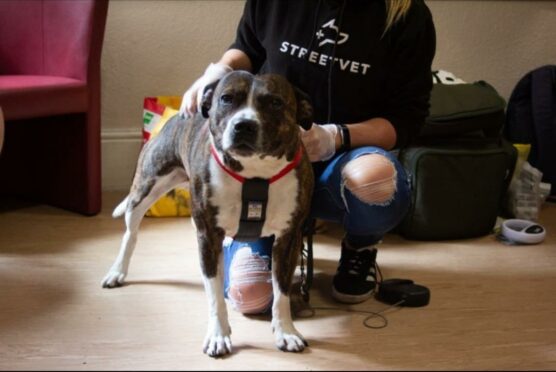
371, 178
249, 288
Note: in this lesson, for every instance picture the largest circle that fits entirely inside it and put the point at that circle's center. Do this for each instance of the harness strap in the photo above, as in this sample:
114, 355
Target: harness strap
254, 197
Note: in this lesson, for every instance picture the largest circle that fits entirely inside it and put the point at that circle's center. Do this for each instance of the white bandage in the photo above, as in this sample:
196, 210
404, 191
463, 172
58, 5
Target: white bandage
250, 287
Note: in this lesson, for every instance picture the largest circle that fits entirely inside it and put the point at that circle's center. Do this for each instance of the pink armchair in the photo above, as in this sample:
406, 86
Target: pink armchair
50, 54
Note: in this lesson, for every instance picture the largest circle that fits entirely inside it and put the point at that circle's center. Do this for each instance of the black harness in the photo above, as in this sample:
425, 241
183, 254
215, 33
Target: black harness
254, 198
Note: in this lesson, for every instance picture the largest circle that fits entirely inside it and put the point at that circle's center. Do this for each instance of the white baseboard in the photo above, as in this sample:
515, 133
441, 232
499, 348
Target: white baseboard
120, 149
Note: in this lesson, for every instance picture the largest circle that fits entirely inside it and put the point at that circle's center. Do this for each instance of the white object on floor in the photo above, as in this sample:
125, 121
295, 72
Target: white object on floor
523, 231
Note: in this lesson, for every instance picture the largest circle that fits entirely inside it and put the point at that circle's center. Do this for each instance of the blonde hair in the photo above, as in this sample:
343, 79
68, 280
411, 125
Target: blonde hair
395, 10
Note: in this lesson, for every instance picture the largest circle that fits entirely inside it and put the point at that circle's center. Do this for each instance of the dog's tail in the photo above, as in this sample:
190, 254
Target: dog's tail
120, 209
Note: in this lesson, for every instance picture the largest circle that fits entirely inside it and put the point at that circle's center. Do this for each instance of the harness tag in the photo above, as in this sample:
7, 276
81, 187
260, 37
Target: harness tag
254, 210
254, 199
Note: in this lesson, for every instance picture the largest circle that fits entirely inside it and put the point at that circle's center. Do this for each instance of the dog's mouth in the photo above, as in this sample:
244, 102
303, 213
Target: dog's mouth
243, 149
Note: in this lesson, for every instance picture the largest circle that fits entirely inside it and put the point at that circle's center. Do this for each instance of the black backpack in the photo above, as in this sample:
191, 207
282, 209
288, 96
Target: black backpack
459, 166
531, 119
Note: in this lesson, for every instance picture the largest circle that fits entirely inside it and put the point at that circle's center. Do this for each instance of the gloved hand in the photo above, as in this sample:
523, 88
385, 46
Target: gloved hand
191, 102
320, 141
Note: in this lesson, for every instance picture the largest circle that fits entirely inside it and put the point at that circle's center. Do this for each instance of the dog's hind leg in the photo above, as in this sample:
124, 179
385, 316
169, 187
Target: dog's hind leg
285, 253
136, 205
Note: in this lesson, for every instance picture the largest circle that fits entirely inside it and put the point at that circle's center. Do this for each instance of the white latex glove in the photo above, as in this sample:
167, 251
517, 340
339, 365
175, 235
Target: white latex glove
320, 141
191, 102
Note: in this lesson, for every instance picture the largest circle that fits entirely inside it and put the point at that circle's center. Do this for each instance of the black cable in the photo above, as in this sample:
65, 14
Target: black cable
329, 80
315, 22
371, 314
306, 307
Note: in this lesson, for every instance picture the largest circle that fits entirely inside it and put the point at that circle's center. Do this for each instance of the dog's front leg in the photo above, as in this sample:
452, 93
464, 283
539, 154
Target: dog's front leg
284, 260
217, 341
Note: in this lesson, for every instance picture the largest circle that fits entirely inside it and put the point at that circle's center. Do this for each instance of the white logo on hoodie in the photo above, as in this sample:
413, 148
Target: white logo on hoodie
326, 37
342, 36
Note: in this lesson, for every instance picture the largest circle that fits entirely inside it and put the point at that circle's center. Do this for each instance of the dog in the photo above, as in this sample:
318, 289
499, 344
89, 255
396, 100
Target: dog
249, 176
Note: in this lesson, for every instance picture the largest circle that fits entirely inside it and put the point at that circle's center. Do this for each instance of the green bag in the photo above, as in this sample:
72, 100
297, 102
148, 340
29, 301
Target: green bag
459, 109
457, 188
459, 166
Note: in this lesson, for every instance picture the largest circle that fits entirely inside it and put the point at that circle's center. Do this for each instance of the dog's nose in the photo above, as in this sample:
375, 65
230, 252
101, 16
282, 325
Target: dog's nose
245, 127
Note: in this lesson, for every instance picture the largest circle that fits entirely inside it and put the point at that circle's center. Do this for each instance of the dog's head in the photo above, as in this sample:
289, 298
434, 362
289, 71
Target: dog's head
256, 115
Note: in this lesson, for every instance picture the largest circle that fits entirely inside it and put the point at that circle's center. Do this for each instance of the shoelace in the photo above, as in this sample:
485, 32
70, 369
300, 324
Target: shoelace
358, 263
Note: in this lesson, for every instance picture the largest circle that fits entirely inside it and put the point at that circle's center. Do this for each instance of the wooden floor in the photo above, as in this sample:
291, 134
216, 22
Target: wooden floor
493, 306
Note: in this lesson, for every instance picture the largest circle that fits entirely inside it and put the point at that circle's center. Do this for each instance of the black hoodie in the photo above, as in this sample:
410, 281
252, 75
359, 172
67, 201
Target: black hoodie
373, 75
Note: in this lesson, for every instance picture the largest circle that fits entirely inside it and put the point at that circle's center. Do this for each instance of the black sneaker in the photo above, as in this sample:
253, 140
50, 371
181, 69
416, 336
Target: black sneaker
355, 279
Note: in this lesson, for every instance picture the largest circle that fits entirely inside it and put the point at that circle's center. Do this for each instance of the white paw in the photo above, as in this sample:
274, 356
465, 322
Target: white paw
216, 345
114, 278
289, 341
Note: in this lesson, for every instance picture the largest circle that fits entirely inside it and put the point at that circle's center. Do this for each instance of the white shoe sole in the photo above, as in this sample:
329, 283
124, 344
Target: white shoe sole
351, 299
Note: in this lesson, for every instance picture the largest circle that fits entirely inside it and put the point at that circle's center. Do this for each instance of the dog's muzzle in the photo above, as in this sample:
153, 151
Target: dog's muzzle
244, 135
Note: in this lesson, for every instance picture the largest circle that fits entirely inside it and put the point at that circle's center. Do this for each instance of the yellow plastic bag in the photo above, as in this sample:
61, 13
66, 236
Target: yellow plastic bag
523, 150
156, 112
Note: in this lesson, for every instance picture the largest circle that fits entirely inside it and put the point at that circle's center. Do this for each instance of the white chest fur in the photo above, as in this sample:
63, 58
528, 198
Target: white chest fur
282, 195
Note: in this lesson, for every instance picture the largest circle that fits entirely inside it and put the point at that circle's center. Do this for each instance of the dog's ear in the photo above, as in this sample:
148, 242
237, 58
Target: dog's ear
304, 109
206, 99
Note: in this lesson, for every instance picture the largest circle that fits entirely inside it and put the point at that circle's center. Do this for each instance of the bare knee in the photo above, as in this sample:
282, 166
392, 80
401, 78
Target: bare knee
250, 287
371, 178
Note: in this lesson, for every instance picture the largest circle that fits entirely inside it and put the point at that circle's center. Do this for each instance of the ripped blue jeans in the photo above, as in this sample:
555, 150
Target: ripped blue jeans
365, 223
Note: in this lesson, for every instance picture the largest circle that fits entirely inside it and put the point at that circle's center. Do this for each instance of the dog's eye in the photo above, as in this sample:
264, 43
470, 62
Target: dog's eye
276, 103
226, 99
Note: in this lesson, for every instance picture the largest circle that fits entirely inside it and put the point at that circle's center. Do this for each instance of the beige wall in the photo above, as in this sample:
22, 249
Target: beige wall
498, 41
159, 47
153, 47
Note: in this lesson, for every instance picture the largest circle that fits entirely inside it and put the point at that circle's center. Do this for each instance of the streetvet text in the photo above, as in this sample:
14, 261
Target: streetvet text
353, 67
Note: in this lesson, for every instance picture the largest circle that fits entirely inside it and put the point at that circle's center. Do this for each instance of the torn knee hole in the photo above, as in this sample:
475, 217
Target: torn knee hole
371, 178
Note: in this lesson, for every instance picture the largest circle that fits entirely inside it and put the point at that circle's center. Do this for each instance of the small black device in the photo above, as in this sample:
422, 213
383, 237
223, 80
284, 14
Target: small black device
403, 292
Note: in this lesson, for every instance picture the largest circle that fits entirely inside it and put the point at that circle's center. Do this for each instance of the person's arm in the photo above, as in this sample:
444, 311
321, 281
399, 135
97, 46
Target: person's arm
373, 132
247, 51
410, 78
409, 91
237, 60
407, 94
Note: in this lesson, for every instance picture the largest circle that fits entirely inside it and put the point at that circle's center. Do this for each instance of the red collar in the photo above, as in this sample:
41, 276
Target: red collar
294, 163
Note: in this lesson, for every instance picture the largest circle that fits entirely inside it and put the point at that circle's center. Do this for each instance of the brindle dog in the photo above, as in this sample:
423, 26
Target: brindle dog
248, 129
